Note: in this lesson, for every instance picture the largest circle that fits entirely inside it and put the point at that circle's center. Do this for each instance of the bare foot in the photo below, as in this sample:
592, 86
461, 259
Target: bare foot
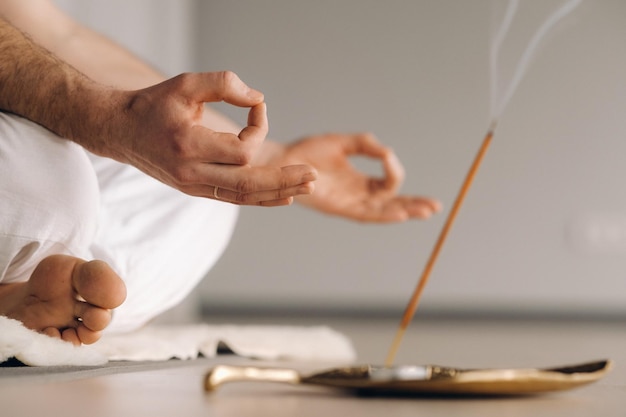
66, 297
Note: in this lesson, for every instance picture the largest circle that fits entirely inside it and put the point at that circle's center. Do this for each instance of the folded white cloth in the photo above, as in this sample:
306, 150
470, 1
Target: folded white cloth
155, 343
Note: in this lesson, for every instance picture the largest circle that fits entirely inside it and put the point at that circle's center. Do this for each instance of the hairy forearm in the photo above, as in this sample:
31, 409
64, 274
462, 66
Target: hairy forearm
37, 85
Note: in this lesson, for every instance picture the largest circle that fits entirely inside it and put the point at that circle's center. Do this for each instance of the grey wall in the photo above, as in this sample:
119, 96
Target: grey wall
544, 226
159, 31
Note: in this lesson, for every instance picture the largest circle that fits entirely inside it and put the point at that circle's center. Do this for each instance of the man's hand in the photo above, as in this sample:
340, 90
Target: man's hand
343, 190
159, 130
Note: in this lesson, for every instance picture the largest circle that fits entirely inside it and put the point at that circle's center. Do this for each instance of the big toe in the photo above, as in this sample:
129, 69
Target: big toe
99, 285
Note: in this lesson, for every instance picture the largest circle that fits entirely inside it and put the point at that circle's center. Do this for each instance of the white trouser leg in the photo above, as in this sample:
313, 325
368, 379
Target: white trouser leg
48, 198
161, 241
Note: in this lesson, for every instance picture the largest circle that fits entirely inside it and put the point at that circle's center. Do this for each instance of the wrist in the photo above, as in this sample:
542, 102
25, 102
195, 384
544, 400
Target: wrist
92, 117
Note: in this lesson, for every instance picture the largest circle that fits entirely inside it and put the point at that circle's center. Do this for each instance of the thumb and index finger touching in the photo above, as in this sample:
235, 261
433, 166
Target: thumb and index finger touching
367, 145
228, 87
223, 86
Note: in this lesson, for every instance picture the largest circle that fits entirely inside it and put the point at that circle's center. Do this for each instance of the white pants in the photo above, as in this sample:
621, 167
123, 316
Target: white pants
55, 198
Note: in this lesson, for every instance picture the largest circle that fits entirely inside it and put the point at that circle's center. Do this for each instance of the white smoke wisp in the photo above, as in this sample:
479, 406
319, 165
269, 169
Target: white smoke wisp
498, 106
494, 53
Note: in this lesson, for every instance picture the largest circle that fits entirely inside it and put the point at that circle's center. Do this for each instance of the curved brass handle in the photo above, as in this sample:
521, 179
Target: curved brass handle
222, 374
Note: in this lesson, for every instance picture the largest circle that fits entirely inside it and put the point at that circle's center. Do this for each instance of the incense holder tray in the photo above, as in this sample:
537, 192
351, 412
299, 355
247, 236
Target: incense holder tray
422, 380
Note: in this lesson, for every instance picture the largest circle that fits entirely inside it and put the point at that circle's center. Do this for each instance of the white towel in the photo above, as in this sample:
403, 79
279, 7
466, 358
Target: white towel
156, 343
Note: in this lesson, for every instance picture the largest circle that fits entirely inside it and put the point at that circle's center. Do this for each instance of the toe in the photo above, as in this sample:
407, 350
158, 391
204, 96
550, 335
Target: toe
94, 318
98, 284
70, 335
52, 332
86, 335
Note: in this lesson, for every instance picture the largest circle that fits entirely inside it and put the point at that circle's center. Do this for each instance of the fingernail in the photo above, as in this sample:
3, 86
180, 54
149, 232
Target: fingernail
255, 94
309, 176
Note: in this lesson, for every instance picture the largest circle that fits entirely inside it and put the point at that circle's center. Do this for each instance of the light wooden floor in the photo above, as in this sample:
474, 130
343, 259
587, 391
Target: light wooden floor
177, 390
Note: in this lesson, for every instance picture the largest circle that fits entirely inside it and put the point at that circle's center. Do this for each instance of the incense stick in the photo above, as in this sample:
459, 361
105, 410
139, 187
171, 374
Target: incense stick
414, 301
496, 110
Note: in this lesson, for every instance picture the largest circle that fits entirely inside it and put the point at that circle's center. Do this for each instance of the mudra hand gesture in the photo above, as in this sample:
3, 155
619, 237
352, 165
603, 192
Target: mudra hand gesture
343, 190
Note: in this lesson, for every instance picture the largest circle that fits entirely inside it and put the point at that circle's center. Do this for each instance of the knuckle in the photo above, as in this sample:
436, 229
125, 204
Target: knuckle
246, 156
242, 198
243, 153
228, 78
178, 149
244, 186
183, 148
184, 80
228, 84
284, 183
370, 136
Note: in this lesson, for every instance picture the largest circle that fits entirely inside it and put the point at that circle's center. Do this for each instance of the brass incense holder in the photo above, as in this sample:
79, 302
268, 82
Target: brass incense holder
421, 380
